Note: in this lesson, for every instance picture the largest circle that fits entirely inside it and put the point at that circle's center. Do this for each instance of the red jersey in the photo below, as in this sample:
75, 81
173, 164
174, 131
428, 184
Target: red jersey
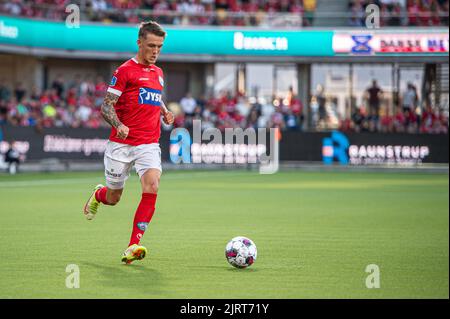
140, 89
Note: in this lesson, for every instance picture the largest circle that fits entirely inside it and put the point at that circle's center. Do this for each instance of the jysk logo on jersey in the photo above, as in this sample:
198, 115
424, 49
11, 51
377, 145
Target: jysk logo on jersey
149, 96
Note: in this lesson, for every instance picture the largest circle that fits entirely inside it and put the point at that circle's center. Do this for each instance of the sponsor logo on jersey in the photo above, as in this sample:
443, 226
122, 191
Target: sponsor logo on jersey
142, 226
149, 96
161, 80
113, 81
143, 79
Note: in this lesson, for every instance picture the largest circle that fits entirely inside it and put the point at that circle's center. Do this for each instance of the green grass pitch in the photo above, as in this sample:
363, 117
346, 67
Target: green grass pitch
315, 231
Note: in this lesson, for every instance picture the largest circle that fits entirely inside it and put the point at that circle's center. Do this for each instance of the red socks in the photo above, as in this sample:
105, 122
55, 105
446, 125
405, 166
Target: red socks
142, 217
100, 195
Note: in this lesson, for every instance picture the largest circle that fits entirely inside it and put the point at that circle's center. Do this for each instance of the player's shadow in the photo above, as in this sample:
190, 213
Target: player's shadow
132, 277
228, 268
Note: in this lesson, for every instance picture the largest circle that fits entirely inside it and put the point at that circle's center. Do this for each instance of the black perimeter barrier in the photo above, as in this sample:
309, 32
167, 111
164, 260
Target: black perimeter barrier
358, 148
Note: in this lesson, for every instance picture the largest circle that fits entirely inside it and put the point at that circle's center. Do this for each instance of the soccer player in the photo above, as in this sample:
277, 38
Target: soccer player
133, 106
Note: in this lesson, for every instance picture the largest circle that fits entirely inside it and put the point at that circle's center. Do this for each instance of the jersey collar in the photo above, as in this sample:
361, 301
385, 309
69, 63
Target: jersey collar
147, 66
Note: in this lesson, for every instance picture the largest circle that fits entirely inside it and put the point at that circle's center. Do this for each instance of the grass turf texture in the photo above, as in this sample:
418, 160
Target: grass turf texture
315, 233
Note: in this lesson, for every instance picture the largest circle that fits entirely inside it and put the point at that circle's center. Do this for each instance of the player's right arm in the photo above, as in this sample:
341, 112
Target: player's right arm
110, 115
115, 89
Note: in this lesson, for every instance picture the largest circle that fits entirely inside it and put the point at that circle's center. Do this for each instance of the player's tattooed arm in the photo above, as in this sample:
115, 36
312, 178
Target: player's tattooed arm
110, 115
107, 109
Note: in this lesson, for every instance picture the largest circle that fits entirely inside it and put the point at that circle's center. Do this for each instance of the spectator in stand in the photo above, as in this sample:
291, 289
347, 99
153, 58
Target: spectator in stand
321, 105
13, 7
412, 122
433, 121
277, 119
357, 14
100, 89
19, 91
252, 120
386, 124
3, 112
292, 121
87, 87
5, 92
444, 12
428, 120
399, 121
99, 5
424, 14
413, 9
373, 121
295, 109
410, 99
373, 95
358, 119
58, 85
188, 105
441, 126
309, 7
76, 84
396, 15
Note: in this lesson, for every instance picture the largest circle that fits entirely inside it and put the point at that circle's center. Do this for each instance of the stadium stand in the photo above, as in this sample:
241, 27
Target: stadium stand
76, 103
240, 12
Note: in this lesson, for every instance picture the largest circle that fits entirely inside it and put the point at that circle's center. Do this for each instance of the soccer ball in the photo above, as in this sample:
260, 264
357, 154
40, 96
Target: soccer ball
241, 252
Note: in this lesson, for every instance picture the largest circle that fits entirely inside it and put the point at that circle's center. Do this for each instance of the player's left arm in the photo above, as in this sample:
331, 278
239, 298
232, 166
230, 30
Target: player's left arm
168, 116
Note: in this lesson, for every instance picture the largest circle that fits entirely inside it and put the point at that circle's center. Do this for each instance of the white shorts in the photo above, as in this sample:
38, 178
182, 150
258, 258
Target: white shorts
120, 157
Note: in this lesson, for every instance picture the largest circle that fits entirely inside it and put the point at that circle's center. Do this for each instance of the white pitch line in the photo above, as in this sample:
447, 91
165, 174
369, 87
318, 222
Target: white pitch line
30, 183
100, 179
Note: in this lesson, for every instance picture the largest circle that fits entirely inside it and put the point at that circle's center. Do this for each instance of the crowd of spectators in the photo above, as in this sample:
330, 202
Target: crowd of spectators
237, 111
185, 12
423, 13
430, 120
409, 116
232, 12
77, 104
74, 104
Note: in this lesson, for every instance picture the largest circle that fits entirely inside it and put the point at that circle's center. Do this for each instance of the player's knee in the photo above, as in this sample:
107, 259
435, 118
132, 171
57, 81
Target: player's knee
152, 187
